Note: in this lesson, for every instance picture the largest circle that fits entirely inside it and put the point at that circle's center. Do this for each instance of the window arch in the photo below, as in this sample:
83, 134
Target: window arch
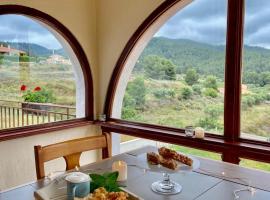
231, 145
132, 50
76, 58
169, 63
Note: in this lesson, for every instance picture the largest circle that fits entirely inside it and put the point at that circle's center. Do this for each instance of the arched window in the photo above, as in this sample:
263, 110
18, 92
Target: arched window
178, 80
45, 77
175, 74
194, 77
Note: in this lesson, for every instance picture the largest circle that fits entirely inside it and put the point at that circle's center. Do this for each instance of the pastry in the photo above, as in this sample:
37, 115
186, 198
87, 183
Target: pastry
102, 194
166, 153
168, 163
183, 159
171, 154
153, 158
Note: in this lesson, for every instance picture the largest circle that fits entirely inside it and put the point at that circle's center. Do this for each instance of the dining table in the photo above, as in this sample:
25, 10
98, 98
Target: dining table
212, 180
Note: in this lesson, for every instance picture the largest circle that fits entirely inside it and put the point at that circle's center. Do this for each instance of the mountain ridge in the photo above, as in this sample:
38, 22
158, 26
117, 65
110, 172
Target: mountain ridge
205, 58
33, 49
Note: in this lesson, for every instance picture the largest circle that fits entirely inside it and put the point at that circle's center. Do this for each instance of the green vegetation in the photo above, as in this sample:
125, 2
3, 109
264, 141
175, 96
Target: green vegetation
57, 80
211, 82
107, 180
260, 79
136, 91
196, 95
191, 77
210, 92
216, 156
158, 68
186, 93
39, 96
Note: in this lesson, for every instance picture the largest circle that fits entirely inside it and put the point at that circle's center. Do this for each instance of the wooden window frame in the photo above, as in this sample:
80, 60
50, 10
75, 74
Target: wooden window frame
230, 145
12, 133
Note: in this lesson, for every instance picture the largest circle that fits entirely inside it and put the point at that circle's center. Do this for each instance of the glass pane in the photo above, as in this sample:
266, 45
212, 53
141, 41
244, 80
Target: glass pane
197, 152
178, 80
129, 143
255, 115
255, 164
37, 80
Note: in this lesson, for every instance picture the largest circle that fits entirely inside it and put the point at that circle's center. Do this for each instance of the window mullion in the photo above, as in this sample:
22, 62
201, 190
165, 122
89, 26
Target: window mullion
233, 69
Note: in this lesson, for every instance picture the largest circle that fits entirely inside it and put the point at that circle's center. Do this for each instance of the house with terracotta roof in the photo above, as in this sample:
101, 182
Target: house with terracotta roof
10, 51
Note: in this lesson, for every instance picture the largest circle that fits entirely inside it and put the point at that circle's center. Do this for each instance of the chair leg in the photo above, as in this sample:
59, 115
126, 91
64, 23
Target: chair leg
107, 152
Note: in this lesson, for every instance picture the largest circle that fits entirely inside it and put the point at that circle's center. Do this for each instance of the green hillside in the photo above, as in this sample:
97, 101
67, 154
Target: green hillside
179, 82
205, 58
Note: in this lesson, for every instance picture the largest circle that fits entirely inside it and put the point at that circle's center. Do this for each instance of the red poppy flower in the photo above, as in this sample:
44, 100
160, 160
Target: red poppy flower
37, 88
23, 87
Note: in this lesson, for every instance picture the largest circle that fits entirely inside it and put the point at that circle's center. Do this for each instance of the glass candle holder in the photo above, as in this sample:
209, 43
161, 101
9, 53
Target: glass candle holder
102, 117
199, 133
189, 131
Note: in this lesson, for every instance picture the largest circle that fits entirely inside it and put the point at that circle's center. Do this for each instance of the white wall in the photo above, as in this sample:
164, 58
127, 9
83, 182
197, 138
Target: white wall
117, 20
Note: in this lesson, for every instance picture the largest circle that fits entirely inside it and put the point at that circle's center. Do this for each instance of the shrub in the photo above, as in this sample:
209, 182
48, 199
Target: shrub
209, 123
247, 101
211, 120
171, 93
159, 68
210, 92
191, 76
163, 93
213, 111
259, 98
24, 58
137, 91
128, 101
39, 95
250, 100
128, 113
186, 93
268, 97
159, 93
260, 79
211, 82
254, 99
197, 89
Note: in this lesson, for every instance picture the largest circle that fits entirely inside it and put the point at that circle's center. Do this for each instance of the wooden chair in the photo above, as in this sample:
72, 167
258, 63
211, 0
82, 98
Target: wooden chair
71, 151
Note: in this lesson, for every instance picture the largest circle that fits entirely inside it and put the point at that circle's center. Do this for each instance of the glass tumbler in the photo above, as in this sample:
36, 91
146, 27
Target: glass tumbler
189, 131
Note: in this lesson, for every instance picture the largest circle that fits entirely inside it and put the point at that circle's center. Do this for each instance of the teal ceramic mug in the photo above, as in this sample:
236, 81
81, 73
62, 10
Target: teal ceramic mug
78, 185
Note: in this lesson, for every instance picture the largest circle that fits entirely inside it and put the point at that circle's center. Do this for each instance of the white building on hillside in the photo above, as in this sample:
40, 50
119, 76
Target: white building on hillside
58, 59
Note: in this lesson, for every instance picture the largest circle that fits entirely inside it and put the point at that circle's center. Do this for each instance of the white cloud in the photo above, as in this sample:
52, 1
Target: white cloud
23, 29
205, 21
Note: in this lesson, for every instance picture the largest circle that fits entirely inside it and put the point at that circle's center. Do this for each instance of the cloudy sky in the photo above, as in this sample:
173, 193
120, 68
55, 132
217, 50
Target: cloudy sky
205, 21
202, 20
17, 28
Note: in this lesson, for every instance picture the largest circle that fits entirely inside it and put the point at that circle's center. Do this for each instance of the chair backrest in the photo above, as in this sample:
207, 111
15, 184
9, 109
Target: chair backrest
71, 150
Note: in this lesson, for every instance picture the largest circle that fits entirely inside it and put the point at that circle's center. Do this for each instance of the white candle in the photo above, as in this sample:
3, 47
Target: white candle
121, 167
199, 133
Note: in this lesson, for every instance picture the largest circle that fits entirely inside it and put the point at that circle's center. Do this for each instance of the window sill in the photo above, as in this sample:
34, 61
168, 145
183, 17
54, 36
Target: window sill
216, 143
13, 133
